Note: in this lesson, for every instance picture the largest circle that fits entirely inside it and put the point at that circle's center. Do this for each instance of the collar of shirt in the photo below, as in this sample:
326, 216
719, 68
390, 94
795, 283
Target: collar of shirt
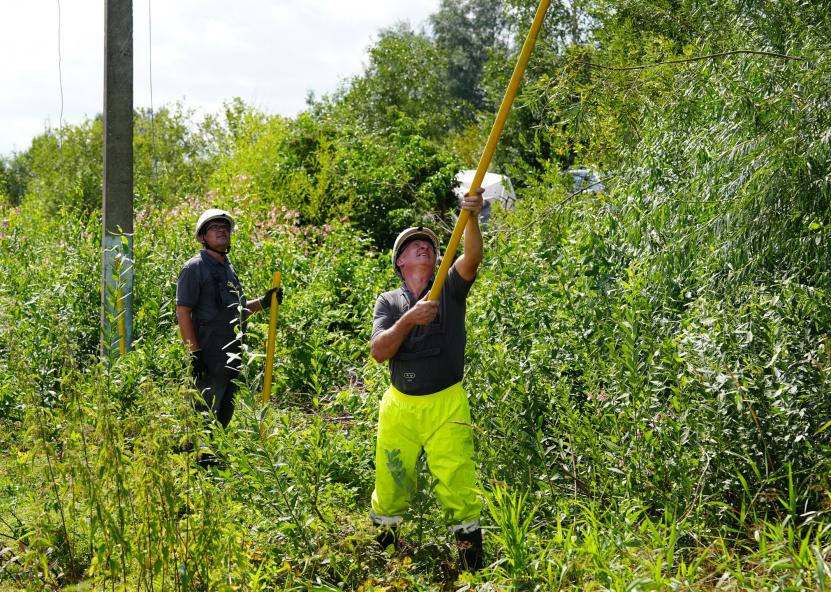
209, 259
410, 297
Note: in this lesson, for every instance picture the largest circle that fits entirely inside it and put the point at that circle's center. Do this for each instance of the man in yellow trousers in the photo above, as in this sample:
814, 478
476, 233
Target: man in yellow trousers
425, 408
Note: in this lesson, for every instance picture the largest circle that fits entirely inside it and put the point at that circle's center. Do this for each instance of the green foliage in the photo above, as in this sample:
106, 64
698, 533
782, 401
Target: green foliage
14, 176
174, 157
513, 520
465, 33
326, 174
648, 368
65, 168
405, 78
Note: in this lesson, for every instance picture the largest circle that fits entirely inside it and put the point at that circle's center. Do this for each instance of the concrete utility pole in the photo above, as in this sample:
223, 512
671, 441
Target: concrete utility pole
117, 237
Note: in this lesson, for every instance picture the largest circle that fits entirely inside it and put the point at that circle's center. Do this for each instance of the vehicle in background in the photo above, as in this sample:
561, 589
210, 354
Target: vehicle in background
585, 179
498, 190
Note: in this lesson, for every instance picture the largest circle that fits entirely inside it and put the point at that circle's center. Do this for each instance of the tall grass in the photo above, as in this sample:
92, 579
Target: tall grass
607, 433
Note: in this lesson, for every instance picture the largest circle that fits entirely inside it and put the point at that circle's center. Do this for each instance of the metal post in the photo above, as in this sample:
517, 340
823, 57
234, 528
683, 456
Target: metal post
117, 236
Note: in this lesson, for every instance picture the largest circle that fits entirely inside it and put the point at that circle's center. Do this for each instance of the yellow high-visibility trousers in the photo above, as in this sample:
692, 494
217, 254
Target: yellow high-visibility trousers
439, 424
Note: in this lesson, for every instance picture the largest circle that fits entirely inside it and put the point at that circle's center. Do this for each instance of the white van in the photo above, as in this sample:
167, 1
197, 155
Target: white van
498, 189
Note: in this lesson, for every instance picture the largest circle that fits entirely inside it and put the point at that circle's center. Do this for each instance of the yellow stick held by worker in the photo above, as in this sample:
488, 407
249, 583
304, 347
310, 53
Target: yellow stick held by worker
269, 350
490, 147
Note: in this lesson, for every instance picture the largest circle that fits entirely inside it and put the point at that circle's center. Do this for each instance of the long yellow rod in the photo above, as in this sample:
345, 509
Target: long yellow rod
490, 147
269, 348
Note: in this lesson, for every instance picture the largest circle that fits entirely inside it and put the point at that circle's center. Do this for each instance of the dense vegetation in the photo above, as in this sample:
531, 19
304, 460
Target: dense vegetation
648, 366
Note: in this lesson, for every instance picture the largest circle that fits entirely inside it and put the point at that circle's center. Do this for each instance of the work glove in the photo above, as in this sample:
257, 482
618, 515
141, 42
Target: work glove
198, 366
265, 299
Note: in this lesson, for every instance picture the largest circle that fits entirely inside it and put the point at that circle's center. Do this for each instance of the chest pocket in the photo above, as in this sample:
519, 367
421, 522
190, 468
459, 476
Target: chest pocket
424, 341
228, 290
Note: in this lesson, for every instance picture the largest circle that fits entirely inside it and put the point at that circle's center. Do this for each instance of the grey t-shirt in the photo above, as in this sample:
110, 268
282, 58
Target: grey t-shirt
432, 357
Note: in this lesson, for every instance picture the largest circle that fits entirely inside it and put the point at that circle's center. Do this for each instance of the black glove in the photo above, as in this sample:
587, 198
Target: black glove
265, 300
198, 367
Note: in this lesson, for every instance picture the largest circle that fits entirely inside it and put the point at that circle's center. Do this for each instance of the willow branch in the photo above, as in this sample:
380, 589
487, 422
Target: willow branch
768, 54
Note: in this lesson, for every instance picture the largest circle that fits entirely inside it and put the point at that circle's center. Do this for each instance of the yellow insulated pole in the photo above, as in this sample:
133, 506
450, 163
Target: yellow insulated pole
490, 147
269, 348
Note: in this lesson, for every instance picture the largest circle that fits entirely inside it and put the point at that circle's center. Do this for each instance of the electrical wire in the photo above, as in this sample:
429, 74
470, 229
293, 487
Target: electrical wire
152, 109
60, 83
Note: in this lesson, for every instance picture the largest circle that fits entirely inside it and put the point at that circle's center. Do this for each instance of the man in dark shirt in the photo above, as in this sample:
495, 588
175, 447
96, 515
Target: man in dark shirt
211, 310
425, 408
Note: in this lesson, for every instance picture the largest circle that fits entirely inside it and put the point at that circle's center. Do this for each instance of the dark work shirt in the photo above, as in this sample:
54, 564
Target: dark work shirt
213, 292
431, 358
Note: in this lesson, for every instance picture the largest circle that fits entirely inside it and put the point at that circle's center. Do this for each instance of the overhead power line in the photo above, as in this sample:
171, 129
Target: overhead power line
60, 80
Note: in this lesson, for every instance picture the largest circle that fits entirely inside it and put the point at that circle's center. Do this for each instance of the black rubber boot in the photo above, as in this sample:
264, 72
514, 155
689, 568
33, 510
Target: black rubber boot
206, 460
387, 535
470, 550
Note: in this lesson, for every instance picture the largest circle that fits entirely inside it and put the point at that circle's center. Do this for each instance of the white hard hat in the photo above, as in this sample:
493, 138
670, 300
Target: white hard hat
210, 215
411, 234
